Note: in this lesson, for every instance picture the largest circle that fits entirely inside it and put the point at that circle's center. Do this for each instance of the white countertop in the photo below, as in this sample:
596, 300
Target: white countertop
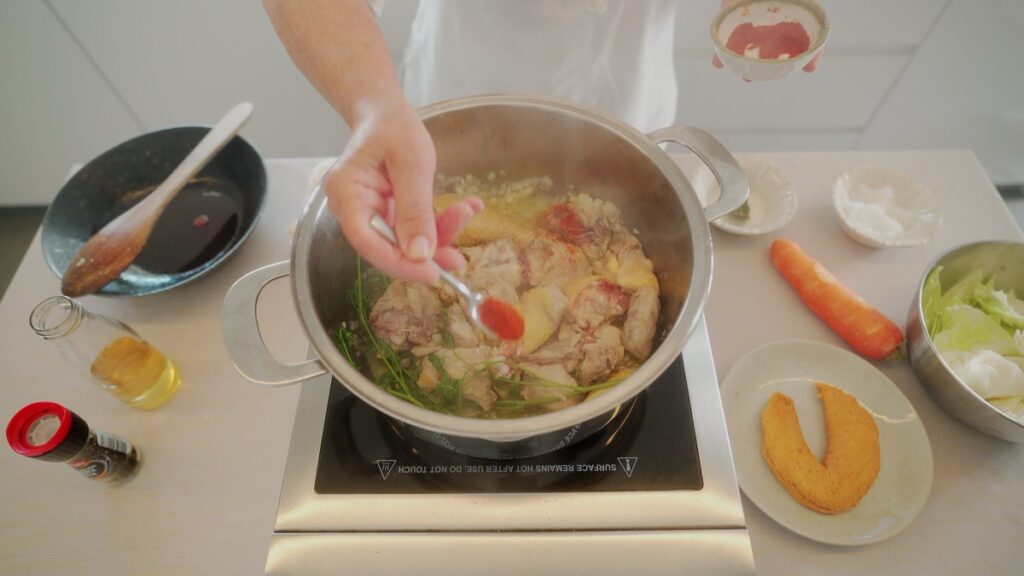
205, 500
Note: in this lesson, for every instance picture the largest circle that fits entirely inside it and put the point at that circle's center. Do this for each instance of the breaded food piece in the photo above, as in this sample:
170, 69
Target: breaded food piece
852, 458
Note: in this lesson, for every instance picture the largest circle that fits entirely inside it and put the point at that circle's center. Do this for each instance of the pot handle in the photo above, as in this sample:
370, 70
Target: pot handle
732, 180
242, 337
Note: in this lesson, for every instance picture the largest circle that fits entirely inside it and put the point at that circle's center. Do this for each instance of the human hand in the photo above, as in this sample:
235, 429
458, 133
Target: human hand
387, 168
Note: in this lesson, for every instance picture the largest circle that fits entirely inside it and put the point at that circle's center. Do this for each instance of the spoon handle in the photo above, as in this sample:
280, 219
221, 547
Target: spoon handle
385, 230
213, 142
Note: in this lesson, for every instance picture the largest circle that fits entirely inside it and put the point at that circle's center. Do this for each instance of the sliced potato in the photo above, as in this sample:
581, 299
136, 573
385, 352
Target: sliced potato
537, 305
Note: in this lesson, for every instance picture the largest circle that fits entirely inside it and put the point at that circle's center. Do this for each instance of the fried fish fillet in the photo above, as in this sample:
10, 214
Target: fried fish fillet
852, 458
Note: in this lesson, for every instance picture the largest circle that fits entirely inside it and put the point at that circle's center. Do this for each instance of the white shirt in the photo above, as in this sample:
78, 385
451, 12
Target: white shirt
615, 56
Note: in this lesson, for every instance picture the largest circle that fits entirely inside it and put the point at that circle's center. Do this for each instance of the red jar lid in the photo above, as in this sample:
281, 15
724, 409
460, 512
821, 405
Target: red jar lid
21, 426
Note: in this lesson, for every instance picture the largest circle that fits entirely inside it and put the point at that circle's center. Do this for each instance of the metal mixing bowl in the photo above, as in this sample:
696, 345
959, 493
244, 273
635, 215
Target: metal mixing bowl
1006, 261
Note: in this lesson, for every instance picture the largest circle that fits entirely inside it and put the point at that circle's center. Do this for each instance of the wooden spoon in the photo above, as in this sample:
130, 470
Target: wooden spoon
115, 246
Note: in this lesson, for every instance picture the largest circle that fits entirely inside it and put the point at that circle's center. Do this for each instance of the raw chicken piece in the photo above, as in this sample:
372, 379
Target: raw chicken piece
594, 300
429, 348
460, 329
600, 353
588, 222
479, 391
429, 376
540, 382
407, 314
626, 264
641, 322
497, 261
470, 365
550, 261
563, 351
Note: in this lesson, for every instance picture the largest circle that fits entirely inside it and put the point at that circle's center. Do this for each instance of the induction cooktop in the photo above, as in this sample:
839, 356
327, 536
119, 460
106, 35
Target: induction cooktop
653, 492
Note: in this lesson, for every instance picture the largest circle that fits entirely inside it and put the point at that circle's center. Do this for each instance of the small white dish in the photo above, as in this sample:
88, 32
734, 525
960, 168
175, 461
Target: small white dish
771, 204
880, 208
769, 12
792, 367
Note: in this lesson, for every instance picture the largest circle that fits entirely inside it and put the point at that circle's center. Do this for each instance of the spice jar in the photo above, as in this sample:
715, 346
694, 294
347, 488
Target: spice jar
113, 354
50, 432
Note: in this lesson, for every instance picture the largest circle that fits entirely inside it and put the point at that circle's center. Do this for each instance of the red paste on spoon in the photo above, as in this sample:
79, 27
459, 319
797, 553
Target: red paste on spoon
773, 40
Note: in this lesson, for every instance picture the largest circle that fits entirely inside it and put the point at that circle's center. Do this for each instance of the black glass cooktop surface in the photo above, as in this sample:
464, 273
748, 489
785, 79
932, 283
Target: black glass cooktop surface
649, 445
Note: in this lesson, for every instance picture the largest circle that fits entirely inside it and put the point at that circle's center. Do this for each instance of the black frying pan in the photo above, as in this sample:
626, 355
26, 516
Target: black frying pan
204, 224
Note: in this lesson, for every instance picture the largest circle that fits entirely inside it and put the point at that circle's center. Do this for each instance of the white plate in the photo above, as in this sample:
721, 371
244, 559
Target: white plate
792, 367
772, 202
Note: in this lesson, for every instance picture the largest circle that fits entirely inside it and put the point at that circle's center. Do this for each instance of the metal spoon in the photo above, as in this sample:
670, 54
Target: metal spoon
475, 300
111, 250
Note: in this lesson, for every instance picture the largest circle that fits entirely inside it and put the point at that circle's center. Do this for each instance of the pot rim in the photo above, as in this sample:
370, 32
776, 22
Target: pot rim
517, 428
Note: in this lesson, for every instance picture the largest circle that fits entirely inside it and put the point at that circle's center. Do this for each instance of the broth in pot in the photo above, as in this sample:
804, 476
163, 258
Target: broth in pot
580, 278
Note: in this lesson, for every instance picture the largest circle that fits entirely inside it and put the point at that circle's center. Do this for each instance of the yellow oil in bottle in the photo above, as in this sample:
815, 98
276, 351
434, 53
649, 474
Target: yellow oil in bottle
136, 372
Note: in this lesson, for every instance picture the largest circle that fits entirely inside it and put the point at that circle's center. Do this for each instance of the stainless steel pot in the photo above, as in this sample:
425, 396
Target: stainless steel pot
526, 136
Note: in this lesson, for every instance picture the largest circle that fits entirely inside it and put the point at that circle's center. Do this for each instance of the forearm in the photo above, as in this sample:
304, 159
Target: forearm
340, 49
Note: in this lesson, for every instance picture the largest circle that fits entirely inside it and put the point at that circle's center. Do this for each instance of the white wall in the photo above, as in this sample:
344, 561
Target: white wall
78, 77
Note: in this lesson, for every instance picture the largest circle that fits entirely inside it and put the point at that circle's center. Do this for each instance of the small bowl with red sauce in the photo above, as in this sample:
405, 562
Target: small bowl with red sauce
763, 40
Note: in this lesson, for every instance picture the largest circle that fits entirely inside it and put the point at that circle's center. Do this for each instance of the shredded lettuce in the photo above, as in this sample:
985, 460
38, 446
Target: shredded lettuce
979, 332
962, 292
966, 329
1002, 306
931, 296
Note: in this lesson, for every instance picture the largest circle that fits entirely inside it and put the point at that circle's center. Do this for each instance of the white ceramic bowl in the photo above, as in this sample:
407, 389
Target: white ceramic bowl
762, 69
771, 203
881, 208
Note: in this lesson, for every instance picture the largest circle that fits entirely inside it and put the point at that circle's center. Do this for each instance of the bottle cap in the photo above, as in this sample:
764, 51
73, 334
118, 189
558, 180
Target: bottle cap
47, 431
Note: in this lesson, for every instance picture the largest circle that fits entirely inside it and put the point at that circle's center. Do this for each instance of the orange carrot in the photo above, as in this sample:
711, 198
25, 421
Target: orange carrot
863, 327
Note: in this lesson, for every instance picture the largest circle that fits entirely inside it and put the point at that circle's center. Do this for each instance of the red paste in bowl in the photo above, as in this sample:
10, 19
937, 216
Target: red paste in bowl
771, 41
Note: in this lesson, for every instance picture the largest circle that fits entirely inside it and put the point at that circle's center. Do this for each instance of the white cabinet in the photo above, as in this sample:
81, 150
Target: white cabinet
963, 89
54, 105
840, 96
189, 61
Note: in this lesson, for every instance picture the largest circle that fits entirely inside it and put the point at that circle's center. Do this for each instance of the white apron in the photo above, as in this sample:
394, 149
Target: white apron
612, 55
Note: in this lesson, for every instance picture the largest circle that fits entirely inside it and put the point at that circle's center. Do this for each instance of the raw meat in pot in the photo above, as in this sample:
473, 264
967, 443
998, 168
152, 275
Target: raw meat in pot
407, 314
587, 293
600, 353
541, 382
498, 260
588, 222
641, 322
550, 261
563, 351
460, 329
472, 367
594, 301
629, 267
